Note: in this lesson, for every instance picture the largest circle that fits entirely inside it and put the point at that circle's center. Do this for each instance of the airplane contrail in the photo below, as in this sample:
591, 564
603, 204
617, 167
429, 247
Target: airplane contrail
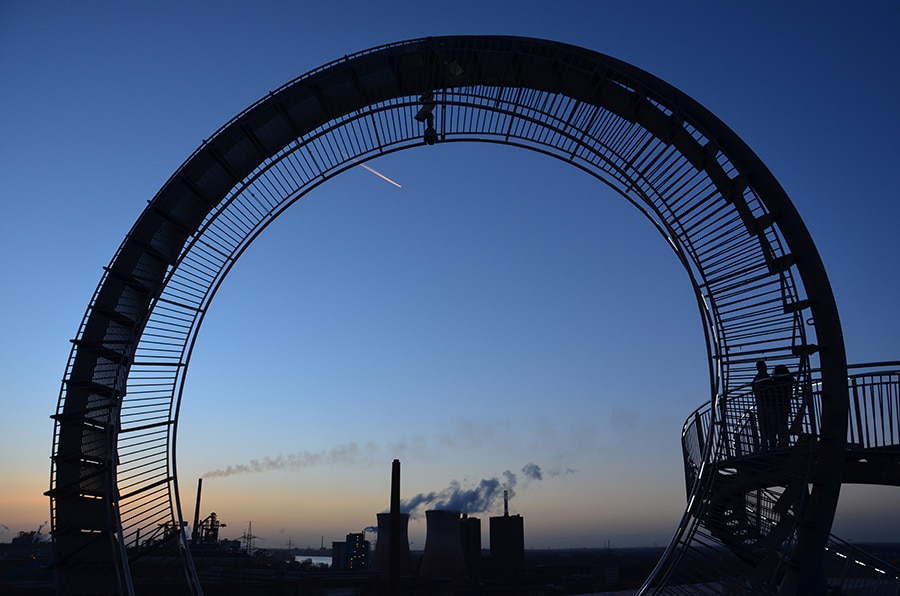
377, 173
373, 170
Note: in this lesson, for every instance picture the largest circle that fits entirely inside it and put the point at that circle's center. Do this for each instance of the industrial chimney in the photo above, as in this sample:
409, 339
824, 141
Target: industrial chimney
394, 538
195, 529
443, 557
381, 559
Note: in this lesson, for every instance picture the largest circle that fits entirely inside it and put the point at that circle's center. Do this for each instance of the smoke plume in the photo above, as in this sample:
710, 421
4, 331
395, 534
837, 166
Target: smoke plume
38, 536
486, 496
532, 471
349, 453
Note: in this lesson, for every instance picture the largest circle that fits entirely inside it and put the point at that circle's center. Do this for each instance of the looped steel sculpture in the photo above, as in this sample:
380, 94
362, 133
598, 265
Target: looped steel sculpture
760, 287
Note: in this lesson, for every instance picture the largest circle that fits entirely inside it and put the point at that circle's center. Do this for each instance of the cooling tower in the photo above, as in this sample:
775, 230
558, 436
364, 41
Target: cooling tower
382, 557
443, 557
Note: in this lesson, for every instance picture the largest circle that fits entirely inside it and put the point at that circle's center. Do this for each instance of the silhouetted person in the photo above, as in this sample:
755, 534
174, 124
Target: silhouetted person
762, 375
763, 386
783, 393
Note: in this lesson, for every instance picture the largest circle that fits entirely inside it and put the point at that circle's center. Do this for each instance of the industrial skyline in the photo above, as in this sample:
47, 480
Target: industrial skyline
496, 312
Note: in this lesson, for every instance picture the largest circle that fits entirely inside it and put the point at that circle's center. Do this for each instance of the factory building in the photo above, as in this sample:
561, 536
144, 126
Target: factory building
338, 555
470, 538
452, 543
507, 542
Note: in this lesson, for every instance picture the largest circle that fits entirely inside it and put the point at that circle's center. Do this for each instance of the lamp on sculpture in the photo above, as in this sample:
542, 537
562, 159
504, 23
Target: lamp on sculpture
426, 114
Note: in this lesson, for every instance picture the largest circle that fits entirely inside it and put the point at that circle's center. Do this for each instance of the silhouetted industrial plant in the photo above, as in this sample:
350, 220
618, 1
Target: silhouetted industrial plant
453, 560
453, 549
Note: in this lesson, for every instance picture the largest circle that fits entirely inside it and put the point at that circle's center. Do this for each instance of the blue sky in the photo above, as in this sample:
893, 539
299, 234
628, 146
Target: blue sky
499, 309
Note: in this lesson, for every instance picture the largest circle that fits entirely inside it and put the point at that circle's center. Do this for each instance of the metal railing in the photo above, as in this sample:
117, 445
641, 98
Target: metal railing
874, 417
739, 447
874, 407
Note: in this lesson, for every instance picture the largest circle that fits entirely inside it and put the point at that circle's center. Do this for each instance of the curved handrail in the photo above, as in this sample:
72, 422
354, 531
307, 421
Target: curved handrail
874, 416
745, 478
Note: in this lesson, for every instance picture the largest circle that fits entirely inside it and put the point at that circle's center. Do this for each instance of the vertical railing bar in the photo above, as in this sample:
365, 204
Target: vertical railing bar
895, 411
856, 412
871, 408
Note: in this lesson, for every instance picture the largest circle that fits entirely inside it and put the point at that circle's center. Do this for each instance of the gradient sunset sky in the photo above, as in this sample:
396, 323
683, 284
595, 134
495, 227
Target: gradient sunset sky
500, 312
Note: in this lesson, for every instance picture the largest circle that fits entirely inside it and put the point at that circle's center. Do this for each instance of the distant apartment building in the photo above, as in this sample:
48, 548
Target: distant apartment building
352, 554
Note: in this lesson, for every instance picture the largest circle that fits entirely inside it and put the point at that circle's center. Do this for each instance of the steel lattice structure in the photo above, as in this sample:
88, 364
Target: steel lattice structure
760, 286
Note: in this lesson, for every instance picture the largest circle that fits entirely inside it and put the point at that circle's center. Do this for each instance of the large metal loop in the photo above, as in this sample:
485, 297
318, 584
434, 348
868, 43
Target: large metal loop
758, 280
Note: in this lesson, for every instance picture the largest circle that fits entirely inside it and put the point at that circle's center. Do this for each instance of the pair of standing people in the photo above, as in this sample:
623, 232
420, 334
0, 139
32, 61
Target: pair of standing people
773, 404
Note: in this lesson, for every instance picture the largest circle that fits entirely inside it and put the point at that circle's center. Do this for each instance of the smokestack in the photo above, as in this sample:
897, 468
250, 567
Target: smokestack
195, 530
381, 561
394, 537
443, 557
505, 504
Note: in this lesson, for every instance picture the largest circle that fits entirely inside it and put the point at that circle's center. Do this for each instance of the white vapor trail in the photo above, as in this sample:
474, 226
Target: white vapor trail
371, 169
379, 174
